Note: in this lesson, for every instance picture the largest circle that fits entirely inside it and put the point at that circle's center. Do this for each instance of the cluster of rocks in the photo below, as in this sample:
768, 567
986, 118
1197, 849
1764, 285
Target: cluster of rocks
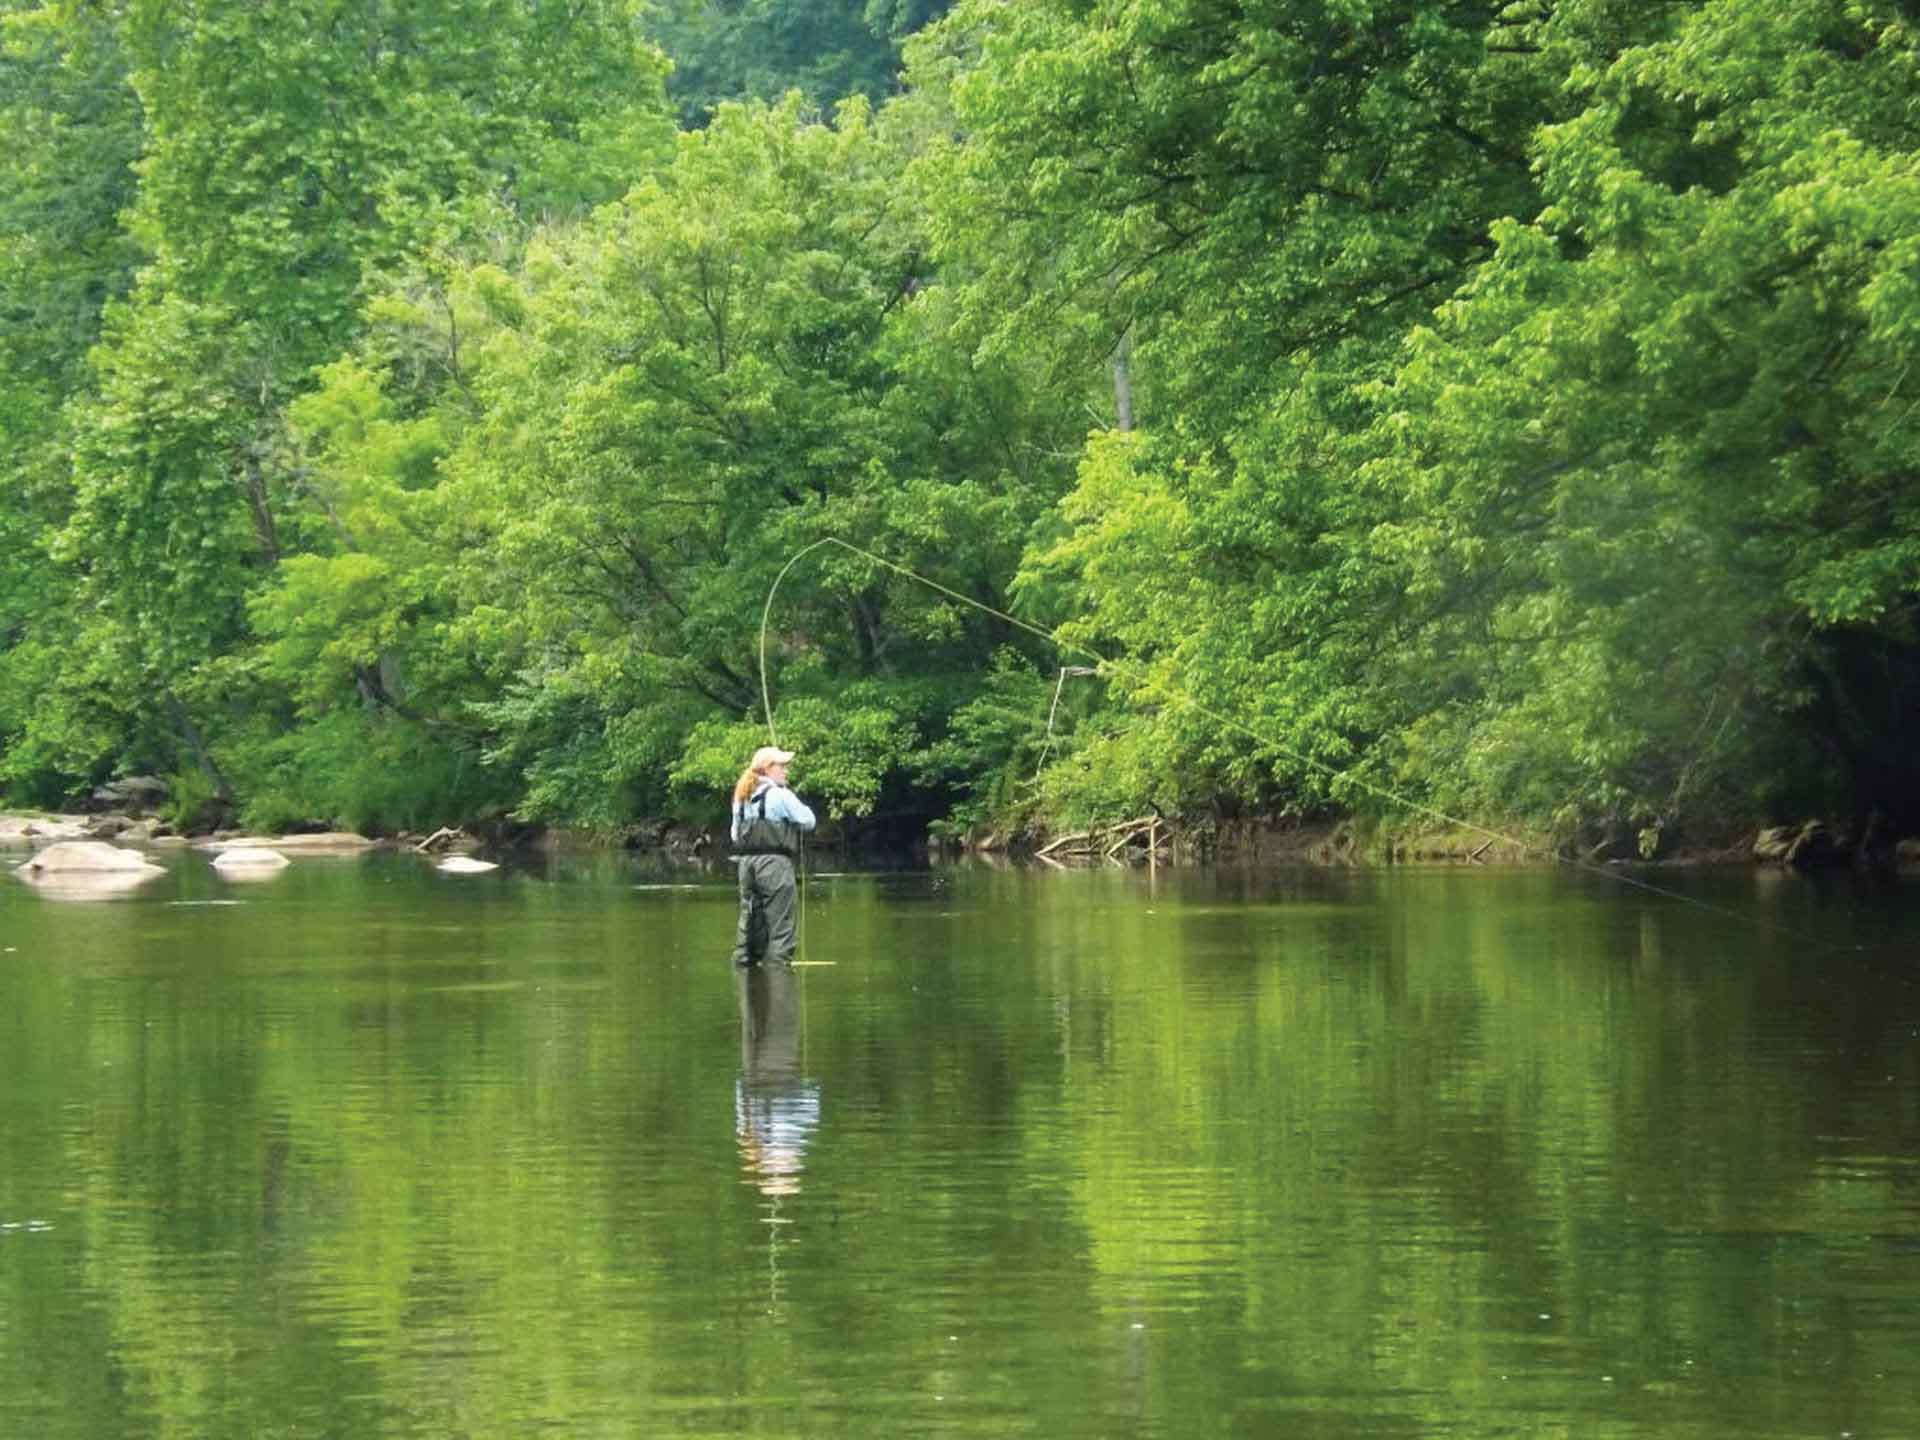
44, 829
71, 860
125, 810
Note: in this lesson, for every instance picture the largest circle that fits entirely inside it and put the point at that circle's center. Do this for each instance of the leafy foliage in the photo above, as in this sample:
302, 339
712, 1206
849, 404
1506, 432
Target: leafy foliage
1568, 547
1502, 409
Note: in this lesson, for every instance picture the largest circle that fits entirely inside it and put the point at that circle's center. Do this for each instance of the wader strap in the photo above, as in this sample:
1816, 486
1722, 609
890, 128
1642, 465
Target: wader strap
761, 836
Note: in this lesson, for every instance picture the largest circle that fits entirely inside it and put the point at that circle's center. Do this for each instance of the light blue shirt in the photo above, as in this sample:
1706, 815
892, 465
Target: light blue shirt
782, 804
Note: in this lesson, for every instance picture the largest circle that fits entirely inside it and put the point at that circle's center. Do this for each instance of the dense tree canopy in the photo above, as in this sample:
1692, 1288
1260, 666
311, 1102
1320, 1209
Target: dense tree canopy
285, 160
1500, 448
1506, 408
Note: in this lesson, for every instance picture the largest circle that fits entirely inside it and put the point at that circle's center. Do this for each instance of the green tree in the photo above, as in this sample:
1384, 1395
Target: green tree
1233, 184
1608, 524
1246, 205
69, 130
292, 158
1669, 434
673, 399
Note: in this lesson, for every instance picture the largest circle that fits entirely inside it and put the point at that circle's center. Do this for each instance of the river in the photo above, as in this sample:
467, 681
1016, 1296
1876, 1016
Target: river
366, 1150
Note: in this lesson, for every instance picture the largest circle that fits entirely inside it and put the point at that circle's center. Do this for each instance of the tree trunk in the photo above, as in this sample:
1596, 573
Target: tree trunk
197, 743
1123, 382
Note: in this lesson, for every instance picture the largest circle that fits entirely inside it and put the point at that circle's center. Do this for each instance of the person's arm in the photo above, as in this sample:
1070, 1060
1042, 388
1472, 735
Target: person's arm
783, 804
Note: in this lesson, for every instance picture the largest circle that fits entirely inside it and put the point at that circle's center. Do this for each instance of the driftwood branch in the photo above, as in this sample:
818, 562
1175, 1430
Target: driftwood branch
1105, 841
1063, 842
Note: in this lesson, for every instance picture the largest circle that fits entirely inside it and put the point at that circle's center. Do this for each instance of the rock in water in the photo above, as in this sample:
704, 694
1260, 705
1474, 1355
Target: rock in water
332, 842
465, 865
85, 856
253, 859
86, 870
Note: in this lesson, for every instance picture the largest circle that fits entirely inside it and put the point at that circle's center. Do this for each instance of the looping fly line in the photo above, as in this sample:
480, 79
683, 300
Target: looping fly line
766, 613
1104, 666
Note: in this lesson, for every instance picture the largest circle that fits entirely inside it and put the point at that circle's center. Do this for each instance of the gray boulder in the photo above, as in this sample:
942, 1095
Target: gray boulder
131, 795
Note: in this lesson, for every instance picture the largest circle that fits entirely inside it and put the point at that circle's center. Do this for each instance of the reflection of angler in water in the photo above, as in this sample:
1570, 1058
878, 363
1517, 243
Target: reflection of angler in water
776, 1108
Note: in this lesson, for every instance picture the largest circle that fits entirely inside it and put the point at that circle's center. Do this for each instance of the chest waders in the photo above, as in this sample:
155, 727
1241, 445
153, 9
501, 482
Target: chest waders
764, 853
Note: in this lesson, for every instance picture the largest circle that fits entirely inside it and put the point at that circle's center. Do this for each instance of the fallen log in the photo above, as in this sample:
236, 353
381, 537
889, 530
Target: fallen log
1104, 839
1044, 851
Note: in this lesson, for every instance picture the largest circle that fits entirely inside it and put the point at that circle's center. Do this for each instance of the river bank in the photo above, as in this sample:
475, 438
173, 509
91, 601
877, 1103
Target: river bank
1803, 845
1343, 842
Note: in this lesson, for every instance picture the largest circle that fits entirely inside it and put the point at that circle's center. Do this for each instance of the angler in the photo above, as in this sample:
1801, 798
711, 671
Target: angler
768, 821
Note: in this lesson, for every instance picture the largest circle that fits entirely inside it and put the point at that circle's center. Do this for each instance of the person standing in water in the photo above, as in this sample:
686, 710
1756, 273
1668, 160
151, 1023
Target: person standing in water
768, 821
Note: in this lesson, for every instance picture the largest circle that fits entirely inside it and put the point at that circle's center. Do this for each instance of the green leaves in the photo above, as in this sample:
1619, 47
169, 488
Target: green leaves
287, 160
847, 748
1502, 407
606, 453
1524, 396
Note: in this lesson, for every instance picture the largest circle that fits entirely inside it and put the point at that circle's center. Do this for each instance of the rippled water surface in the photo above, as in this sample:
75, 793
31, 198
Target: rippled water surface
365, 1150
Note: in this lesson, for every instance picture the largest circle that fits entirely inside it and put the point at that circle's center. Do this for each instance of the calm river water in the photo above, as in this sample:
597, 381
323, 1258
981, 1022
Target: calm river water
370, 1151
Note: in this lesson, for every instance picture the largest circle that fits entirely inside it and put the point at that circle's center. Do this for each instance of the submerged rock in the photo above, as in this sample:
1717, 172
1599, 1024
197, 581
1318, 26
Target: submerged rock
465, 865
330, 841
250, 859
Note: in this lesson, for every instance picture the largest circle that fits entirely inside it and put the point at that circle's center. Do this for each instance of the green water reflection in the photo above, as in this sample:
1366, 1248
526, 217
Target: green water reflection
381, 1152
